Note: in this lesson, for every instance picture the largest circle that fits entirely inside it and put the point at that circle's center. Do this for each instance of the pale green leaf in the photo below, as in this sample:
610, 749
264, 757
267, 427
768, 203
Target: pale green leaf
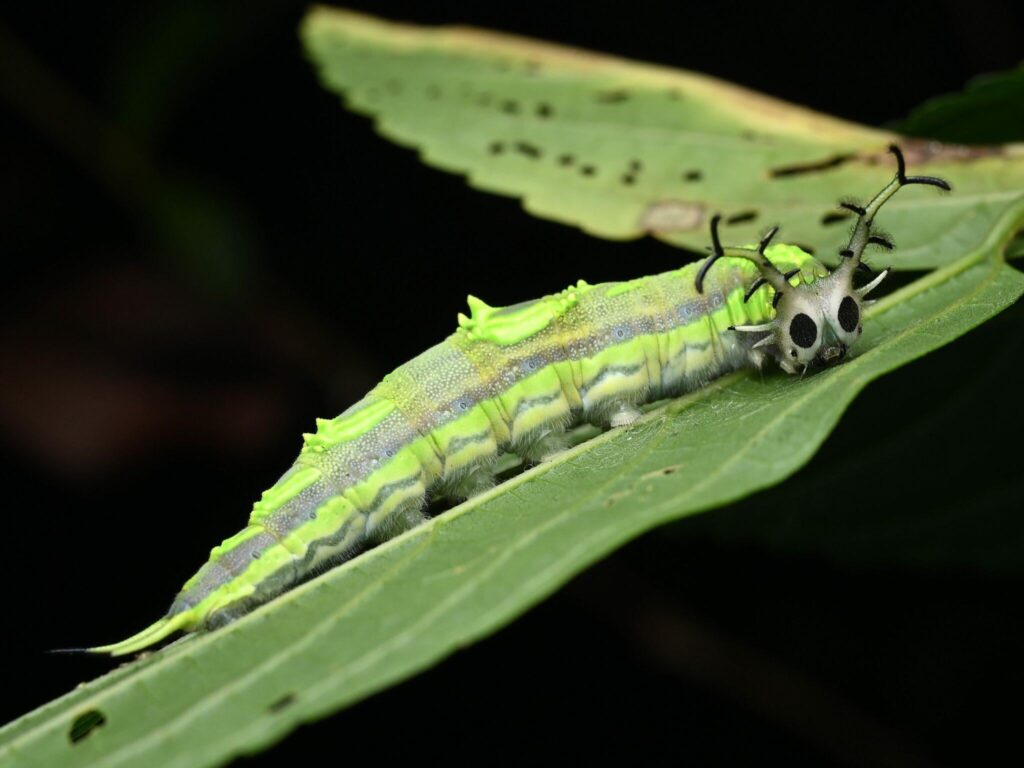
408, 603
528, 119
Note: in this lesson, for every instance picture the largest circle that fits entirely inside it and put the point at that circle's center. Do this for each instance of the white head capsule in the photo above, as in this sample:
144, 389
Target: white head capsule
817, 323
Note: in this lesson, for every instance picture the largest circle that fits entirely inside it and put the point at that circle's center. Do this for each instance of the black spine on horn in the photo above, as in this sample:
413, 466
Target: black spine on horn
716, 253
766, 240
753, 288
901, 173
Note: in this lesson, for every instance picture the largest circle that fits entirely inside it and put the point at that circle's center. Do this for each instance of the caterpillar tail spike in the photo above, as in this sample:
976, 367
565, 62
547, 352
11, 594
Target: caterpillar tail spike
151, 635
513, 379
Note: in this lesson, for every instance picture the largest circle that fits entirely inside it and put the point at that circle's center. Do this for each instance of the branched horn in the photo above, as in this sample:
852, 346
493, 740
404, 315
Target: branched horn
862, 235
769, 272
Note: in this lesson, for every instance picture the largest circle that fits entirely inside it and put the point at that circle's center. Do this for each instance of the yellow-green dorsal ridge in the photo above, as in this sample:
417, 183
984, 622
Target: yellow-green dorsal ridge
509, 325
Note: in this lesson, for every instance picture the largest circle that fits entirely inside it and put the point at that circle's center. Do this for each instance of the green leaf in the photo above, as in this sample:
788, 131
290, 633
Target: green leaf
951, 509
410, 602
622, 149
988, 111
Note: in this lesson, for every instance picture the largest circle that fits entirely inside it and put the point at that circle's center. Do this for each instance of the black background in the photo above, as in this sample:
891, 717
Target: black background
205, 251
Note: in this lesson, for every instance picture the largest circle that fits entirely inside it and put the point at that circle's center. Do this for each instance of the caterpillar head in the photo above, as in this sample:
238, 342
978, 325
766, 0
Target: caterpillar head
817, 323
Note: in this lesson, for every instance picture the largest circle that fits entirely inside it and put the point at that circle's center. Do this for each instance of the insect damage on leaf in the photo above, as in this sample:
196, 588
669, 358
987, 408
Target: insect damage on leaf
672, 216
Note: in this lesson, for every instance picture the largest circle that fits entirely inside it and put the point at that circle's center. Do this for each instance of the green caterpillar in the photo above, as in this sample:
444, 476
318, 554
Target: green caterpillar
513, 379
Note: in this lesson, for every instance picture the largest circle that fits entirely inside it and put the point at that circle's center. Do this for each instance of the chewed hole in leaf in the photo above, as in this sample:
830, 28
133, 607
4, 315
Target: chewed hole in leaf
282, 703
85, 724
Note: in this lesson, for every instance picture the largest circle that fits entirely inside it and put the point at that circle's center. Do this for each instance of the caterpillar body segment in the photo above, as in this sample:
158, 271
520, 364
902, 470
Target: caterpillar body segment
512, 379
509, 379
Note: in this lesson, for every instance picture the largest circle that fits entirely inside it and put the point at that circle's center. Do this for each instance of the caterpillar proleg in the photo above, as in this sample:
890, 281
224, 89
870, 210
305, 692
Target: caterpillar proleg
513, 379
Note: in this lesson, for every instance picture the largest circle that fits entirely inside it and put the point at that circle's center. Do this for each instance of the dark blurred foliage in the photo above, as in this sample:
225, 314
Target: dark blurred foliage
205, 251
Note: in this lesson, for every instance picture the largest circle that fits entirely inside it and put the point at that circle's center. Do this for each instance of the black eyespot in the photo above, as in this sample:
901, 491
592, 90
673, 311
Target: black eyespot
849, 314
803, 331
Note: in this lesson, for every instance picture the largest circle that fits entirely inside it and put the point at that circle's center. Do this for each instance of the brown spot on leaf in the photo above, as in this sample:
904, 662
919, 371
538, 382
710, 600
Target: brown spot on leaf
85, 724
921, 151
530, 150
810, 166
282, 703
672, 216
916, 152
663, 472
612, 97
616, 497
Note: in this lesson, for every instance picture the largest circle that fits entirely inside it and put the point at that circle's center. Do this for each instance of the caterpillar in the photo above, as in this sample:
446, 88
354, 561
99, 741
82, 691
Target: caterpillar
513, 379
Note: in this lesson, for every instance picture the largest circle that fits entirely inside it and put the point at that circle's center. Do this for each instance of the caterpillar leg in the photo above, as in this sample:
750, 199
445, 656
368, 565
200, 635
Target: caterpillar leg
397, 506
623, 414
470, 483
544, 445
614, 412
